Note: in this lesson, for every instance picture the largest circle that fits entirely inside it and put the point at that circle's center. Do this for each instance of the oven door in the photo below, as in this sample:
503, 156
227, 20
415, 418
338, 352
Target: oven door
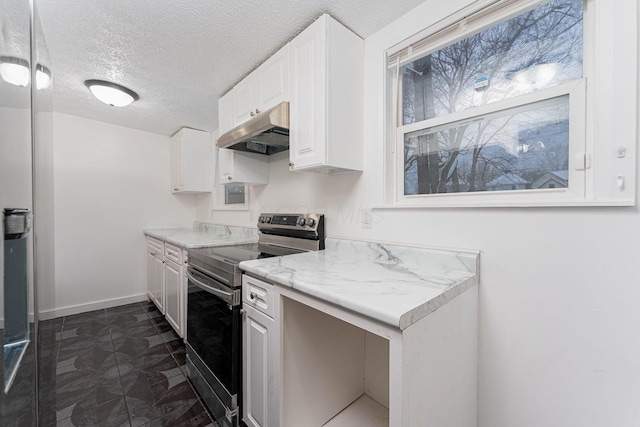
214, 334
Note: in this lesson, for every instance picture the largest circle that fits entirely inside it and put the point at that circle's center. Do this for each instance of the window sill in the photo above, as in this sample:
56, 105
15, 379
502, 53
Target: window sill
508, 204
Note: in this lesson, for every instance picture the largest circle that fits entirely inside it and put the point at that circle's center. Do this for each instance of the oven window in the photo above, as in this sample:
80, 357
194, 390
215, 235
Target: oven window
213, 330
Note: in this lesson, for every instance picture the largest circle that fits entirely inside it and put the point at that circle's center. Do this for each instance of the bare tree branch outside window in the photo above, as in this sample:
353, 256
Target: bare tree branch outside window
524, 150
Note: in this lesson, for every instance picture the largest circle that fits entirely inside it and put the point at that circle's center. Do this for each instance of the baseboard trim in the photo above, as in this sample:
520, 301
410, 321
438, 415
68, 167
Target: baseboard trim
97, 305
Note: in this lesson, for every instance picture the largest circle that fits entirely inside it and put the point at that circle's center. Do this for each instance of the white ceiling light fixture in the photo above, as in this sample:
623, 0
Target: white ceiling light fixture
14, 70
111, 94
43, 77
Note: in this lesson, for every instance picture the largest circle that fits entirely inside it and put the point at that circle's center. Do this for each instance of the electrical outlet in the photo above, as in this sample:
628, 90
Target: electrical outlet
366, 218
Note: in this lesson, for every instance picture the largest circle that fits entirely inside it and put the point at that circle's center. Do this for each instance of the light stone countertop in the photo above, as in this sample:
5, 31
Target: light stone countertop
205, 235
394, 284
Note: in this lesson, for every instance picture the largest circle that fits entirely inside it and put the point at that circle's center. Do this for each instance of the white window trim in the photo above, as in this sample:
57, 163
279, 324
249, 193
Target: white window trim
473, 22
604, 23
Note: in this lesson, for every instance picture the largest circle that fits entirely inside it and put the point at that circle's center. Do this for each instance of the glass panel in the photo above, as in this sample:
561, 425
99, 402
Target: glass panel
234, 194
18, 368
517, 149
536, 50
16, 225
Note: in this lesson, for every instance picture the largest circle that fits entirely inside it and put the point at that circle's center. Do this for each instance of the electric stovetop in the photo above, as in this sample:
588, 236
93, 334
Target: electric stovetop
238, 253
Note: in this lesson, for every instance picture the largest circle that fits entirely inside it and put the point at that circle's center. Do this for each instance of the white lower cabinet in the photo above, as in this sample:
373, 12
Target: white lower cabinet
259, 408
260, 349
166, 281
155, 272
174, 284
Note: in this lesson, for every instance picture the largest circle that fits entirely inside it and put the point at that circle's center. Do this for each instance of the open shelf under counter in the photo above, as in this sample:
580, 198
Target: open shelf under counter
343, 369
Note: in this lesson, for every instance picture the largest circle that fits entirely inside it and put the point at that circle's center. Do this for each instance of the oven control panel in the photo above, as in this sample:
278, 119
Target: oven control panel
305, 222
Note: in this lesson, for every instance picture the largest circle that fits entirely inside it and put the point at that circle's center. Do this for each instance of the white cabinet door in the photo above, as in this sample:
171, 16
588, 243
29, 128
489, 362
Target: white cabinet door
157, 290
272, 79
307, 134
151, 276
177, 162
242, 168
326, 68
173, 283
225, 113
264, 88
260, 407
155, 273
191, 161
244, 103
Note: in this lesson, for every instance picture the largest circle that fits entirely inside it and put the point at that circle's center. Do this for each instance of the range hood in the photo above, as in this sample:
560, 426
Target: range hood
266, 133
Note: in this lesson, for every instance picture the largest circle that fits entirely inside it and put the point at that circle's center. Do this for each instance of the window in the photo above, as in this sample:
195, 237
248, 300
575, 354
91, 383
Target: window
493, 108
230, 197
234, 194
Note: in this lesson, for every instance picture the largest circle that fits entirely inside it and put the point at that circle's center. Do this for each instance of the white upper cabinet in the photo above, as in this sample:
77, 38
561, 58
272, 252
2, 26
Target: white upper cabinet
225, 113
273, 80
264, 88
237, 167
191, 161
326, 99
320, 73
244, 100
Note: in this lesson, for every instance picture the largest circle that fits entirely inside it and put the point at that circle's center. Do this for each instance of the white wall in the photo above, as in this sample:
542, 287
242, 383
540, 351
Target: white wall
110, 182
560, 287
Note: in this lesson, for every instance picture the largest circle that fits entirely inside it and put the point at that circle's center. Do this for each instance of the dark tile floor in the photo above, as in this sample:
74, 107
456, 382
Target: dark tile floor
18, 405
123, 366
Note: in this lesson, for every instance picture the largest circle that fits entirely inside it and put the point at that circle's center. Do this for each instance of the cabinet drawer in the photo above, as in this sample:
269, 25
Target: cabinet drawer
155, 247
173, 253
258, 294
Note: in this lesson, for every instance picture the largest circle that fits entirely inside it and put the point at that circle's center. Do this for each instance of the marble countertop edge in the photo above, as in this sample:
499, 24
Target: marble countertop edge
434, 304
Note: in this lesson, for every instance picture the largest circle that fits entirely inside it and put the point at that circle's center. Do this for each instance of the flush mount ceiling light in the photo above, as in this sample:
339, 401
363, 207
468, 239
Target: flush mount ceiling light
43, 77
14, 71
111, 93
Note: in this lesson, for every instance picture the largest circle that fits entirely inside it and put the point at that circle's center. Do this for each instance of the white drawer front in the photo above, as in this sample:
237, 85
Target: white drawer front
155, 247
173, 253
258, 294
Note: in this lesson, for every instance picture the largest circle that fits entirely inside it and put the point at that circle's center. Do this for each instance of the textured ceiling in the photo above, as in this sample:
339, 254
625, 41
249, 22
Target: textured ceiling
180, 56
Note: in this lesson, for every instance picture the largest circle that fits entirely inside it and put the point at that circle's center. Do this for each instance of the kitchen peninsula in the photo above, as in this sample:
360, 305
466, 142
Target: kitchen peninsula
361, 334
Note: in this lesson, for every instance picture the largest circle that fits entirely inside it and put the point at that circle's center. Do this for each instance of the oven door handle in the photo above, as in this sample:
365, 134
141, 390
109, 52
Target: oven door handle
225, 296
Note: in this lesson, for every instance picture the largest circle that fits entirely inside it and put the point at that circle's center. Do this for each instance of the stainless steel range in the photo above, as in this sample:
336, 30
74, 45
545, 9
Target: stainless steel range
214, 321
